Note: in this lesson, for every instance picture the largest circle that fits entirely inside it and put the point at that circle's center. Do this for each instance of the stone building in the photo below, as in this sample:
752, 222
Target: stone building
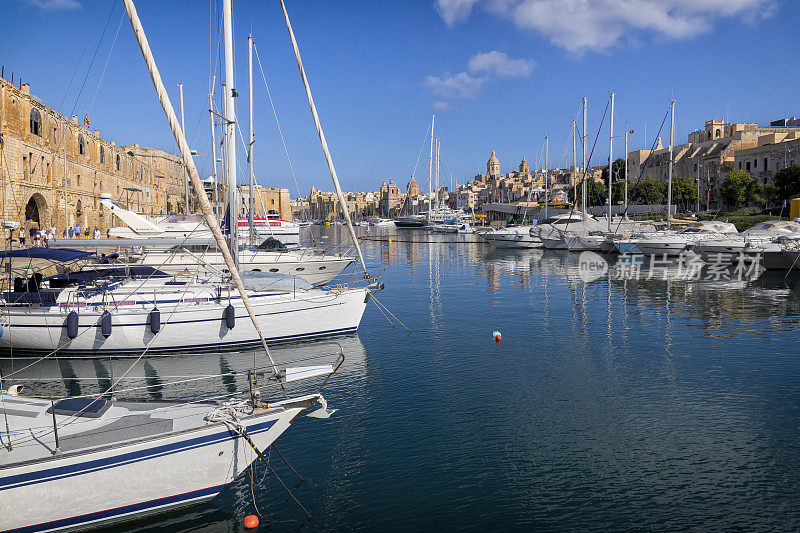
388, 198
36, 191
266, 200
766, 159
710, 154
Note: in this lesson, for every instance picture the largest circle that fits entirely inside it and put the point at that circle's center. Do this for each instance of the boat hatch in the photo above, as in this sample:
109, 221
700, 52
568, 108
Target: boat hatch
86, 407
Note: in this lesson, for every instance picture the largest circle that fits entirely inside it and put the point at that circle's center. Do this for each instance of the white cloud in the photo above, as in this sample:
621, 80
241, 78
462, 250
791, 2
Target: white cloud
581, 25
441, 106
499, 64
55, 5
461, 85
453, 11
482, 67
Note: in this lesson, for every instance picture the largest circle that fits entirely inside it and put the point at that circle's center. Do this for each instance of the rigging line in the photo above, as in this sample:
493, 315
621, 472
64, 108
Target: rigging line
91, 106
94, 56
588, 164
644, 166
421, 148
275, 114
85, 46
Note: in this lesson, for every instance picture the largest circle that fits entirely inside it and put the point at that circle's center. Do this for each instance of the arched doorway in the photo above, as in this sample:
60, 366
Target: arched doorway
36, 210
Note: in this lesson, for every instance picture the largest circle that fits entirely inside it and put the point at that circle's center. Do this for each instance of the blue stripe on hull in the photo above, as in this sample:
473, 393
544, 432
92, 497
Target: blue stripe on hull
133, 510
75, 469
205, 347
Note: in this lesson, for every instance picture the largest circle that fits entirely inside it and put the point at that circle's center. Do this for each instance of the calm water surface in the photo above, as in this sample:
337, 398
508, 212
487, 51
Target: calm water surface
611, 405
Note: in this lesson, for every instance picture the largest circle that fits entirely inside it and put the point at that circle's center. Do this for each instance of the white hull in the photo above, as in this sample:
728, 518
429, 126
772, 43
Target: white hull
194, 321
121, 480
661, 247
512, 237
316, 269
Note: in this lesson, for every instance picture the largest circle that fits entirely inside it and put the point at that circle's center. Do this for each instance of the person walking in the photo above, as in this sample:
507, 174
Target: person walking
21, 237
77, 231
70, 232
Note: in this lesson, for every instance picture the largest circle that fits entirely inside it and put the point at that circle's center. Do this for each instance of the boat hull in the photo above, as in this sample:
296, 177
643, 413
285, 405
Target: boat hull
197, 326
122, 481
317, 271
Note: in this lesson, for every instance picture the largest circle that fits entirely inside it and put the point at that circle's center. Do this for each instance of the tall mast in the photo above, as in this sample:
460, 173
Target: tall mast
610, 161
252, 235
574, 164
66, 205
669, 182
437, 173
430, 170
213, 147
321, 135
546, 174
230, 131
185, 175
585, 176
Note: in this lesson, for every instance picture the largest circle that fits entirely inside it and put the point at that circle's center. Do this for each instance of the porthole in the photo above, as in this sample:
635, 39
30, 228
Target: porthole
323, 267
300, 268
256, 270
273, 269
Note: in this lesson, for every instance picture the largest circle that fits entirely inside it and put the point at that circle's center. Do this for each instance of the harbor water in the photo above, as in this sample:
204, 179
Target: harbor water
615, 404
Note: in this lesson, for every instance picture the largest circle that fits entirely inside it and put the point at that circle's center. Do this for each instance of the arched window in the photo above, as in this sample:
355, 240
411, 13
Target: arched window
102, 154
81, 144
36, 122
718, 132
117, 161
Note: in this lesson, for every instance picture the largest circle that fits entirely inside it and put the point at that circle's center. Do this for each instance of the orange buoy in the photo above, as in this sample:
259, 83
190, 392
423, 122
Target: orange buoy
497, 336
250, 521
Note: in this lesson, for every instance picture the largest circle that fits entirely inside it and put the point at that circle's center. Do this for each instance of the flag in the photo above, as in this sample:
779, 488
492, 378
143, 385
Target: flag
85, 120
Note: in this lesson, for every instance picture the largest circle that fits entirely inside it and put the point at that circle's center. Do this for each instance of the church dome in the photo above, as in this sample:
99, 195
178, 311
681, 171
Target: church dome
493, 165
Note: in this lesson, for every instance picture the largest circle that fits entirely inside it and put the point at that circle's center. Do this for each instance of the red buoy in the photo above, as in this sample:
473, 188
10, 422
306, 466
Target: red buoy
497, 336
250, 521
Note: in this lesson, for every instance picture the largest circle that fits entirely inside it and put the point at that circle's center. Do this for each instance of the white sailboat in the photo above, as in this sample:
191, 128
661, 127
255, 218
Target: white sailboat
86, 461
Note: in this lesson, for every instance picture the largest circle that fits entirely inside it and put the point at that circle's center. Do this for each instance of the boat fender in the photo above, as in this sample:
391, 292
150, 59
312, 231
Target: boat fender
250, 521
230, 316
105, 324
155, 320
72, 324
1, 331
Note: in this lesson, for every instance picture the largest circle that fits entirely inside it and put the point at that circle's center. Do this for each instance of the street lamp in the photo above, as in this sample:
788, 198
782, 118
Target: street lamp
626, 169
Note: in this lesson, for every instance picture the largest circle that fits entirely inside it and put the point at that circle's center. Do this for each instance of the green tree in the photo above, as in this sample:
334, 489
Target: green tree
619, 170
787, 180
596, 188
770, 193
684, 193
650, 191
737, 188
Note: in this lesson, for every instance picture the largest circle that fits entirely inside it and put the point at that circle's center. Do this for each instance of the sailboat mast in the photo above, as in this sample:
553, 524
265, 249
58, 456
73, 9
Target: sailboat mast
574, 163
610, 161
230, 131
185, 176
252, 140
430, 171
321, 135
213, 147
437, 173
585, 175
671, 145
546, 174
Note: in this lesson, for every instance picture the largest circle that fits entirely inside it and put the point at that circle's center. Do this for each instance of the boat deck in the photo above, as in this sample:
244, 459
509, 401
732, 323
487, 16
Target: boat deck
88, 424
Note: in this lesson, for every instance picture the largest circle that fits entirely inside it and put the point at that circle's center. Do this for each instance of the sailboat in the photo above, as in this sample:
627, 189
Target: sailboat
86, 461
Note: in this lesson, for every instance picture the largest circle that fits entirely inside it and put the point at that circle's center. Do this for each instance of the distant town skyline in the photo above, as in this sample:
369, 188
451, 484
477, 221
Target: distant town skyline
499, 76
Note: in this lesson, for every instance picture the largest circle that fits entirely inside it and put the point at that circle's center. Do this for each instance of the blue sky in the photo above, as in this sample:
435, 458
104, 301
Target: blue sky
499, 74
